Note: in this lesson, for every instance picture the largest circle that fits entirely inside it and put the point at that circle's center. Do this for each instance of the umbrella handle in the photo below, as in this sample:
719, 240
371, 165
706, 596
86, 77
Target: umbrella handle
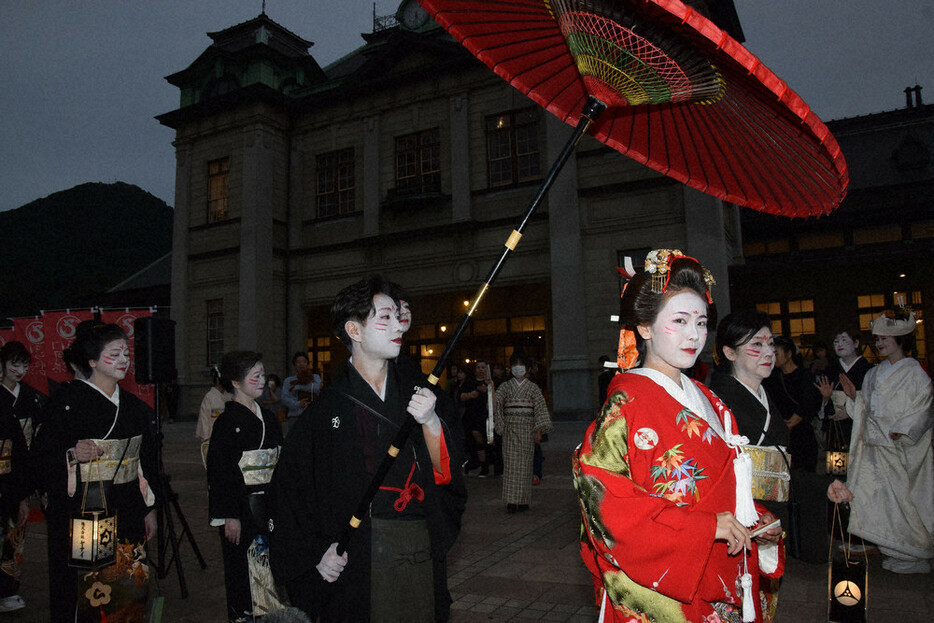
592, 109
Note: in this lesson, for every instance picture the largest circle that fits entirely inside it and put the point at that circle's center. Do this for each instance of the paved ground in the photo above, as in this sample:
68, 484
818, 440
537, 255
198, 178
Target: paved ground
521, 567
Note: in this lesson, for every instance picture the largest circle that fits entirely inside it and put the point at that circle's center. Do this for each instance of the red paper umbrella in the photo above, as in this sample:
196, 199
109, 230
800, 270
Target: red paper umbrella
659, 83
682, 96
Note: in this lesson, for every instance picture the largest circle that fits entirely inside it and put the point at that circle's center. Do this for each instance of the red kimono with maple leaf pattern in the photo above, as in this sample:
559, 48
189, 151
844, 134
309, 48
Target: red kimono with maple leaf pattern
651, 477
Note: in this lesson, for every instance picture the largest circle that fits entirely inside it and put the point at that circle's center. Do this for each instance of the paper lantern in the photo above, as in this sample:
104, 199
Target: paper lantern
847, 593
93, 539
837, 462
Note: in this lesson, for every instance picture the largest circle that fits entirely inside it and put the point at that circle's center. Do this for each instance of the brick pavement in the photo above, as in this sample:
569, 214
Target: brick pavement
521, 567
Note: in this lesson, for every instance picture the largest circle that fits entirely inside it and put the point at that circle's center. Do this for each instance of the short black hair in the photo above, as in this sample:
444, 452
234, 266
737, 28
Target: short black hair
235, 365
90, 339
13, 352
355, 302
297, 355
519, 356
737, 329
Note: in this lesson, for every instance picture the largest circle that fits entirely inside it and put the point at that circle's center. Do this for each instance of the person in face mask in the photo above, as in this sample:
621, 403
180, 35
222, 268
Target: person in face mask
521, 417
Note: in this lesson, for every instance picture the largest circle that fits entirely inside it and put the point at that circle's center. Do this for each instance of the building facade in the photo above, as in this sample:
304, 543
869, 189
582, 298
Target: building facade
815, 277
410, 158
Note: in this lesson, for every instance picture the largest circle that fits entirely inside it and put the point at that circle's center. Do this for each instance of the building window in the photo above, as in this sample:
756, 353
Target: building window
418, 163
335, 183
215, 331
512, 148
793, 319
218, 184
870, 307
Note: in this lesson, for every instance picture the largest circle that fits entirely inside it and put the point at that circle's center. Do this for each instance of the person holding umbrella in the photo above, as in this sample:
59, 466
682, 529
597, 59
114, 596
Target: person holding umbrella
395, 564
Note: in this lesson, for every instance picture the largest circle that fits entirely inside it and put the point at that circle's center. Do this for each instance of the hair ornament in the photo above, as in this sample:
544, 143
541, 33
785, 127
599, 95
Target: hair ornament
658, 264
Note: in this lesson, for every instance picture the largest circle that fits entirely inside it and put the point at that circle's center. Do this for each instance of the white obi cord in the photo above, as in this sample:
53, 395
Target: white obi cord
257, 466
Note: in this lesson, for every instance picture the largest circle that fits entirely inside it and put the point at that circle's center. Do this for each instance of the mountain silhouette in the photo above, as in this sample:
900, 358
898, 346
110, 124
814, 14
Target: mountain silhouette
60, 251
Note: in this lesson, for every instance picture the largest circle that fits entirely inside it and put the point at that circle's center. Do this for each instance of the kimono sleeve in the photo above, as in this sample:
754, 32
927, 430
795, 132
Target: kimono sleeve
917, 415
542, 423
297, 541
655, 542
227, 492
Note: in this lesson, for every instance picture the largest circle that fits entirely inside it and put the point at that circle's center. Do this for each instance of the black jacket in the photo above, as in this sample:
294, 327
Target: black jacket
325, 467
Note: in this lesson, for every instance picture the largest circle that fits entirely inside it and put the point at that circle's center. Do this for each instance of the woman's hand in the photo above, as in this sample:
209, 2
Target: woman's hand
86, 450
151, 524
331, 565
232, 531
825, 387
839, 492
734, 533
847, 385
770, 536
793, 421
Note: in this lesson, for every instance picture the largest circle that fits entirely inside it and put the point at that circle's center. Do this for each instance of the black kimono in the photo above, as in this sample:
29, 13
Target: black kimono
795, 393
238, 430
14, 488
748, 412
326, 464
27, 408
78, 410
837, 432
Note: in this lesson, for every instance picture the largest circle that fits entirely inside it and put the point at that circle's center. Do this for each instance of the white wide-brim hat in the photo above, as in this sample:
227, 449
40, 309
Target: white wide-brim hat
883, 325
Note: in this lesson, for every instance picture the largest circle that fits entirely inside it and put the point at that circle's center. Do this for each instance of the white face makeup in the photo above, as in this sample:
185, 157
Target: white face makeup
844, 346
13, 373
380, 337
677, 336
754, 360
405, 315
114, 360
253, 382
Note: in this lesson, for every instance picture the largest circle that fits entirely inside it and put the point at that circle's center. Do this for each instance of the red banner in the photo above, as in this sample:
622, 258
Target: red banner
124, 318
59, 328
31, 333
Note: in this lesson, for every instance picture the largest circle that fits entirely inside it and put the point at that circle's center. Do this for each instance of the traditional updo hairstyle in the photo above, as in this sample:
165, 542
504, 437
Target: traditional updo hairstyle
90, 339
641, 304
737, 329
235, 365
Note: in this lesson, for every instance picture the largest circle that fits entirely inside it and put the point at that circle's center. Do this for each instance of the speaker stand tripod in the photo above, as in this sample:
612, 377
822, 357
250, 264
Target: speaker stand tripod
168, 503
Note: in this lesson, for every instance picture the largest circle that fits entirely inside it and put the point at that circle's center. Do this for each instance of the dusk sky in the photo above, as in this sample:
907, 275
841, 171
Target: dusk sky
82, 80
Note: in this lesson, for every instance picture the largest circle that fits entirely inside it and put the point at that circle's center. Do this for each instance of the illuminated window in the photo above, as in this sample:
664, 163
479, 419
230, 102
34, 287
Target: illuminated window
418, 163
512, 147
869, 307
218, 185
521, 324
793, 319
334, 173
215, 331
490, 326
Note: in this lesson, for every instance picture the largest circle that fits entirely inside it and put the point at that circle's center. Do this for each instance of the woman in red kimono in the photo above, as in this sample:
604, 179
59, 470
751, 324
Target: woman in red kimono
665, 491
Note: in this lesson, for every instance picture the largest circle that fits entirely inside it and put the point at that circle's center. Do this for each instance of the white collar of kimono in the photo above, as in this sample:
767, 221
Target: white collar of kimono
846, 367
886, 368
764, 401
14, 391
688, 395
114, 399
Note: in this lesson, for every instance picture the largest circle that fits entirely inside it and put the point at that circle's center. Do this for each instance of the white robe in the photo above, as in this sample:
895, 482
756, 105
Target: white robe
893, 480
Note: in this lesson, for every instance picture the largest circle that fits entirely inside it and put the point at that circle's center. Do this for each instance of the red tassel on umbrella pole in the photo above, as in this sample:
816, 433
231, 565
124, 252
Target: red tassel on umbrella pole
591, 111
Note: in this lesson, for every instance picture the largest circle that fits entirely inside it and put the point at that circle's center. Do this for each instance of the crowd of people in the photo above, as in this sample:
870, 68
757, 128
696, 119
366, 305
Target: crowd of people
340, 520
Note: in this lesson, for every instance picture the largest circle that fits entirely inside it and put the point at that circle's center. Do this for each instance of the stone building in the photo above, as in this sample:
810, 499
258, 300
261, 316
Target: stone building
816, 276
410, 158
